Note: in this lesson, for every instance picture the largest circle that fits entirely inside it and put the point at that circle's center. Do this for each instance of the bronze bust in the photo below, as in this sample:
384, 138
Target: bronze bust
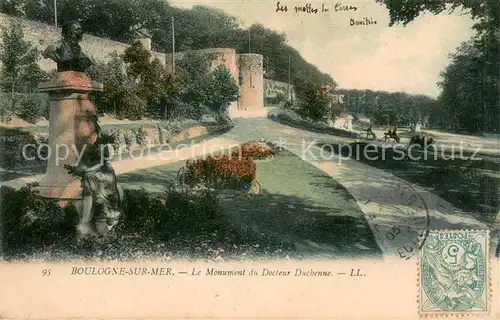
67, 53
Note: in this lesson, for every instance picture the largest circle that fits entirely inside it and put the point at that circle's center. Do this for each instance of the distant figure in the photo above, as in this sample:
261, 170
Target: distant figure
387, 135
67, 53
391, 135
287, 105
396, 137
370, 132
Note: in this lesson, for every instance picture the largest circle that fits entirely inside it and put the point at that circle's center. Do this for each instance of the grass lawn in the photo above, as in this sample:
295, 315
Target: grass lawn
470, 185
301, 212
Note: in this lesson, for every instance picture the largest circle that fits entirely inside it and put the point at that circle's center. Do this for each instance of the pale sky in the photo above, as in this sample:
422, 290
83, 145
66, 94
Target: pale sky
376, 56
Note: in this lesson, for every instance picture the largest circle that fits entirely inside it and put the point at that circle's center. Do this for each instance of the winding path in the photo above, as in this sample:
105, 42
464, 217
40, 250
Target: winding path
398, 212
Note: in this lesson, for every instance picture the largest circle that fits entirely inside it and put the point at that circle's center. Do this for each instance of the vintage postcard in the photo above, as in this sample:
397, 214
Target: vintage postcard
249, 159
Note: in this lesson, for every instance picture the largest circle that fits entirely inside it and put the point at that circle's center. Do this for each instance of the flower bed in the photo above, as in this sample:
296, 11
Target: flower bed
254, 149
225, 172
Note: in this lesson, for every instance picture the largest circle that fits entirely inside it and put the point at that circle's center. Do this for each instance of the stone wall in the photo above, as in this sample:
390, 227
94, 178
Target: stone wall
275, 92
218, 56
41, 35
251, 83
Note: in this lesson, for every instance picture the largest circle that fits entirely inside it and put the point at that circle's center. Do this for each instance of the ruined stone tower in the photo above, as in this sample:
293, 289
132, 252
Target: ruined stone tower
251, 81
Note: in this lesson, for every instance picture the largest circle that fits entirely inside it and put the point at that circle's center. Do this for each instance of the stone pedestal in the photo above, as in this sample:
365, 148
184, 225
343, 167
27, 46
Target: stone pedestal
71, 129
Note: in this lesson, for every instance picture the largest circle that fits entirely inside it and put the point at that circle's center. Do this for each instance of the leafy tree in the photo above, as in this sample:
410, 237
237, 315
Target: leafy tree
405, 11
121, 95
390, 108
194, 66
192, 76
20, 75
154, 82
113, 19
317, 104
112, 75
460, 93
221, 90
20, 71
472, 80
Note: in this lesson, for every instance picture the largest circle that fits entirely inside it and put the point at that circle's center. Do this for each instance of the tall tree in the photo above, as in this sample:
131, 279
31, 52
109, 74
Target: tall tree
20, 71
389, 108
483, 65
221, 90
460, 91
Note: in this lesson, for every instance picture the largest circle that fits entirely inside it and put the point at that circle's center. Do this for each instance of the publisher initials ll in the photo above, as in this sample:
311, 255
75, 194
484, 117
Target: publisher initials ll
356, 273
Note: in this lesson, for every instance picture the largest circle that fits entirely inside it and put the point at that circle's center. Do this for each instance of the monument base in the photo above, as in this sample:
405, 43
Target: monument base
71, 130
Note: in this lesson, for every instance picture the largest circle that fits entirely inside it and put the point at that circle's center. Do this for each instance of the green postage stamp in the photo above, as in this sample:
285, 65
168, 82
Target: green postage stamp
454, 273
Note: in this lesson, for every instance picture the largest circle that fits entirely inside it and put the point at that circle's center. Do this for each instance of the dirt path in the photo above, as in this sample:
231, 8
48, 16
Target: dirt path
399, 212
137, 162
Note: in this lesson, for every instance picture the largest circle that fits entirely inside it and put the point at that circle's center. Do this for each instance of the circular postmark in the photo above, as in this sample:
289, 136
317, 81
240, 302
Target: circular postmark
400, 219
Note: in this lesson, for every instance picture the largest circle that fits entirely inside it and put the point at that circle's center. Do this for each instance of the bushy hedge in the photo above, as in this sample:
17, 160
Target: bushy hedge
31, 222
141, 137
224, 172
253, 149
12, 142
30, 107
167, 130
178, 210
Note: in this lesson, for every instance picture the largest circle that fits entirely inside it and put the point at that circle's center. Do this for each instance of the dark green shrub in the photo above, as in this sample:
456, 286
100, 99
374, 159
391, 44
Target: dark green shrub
31, 222
133, 107
32, 107
127, 137
119, 143
141, 137
144, 213
168, 129
183, 211
12, 142
193, 211
316, 104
